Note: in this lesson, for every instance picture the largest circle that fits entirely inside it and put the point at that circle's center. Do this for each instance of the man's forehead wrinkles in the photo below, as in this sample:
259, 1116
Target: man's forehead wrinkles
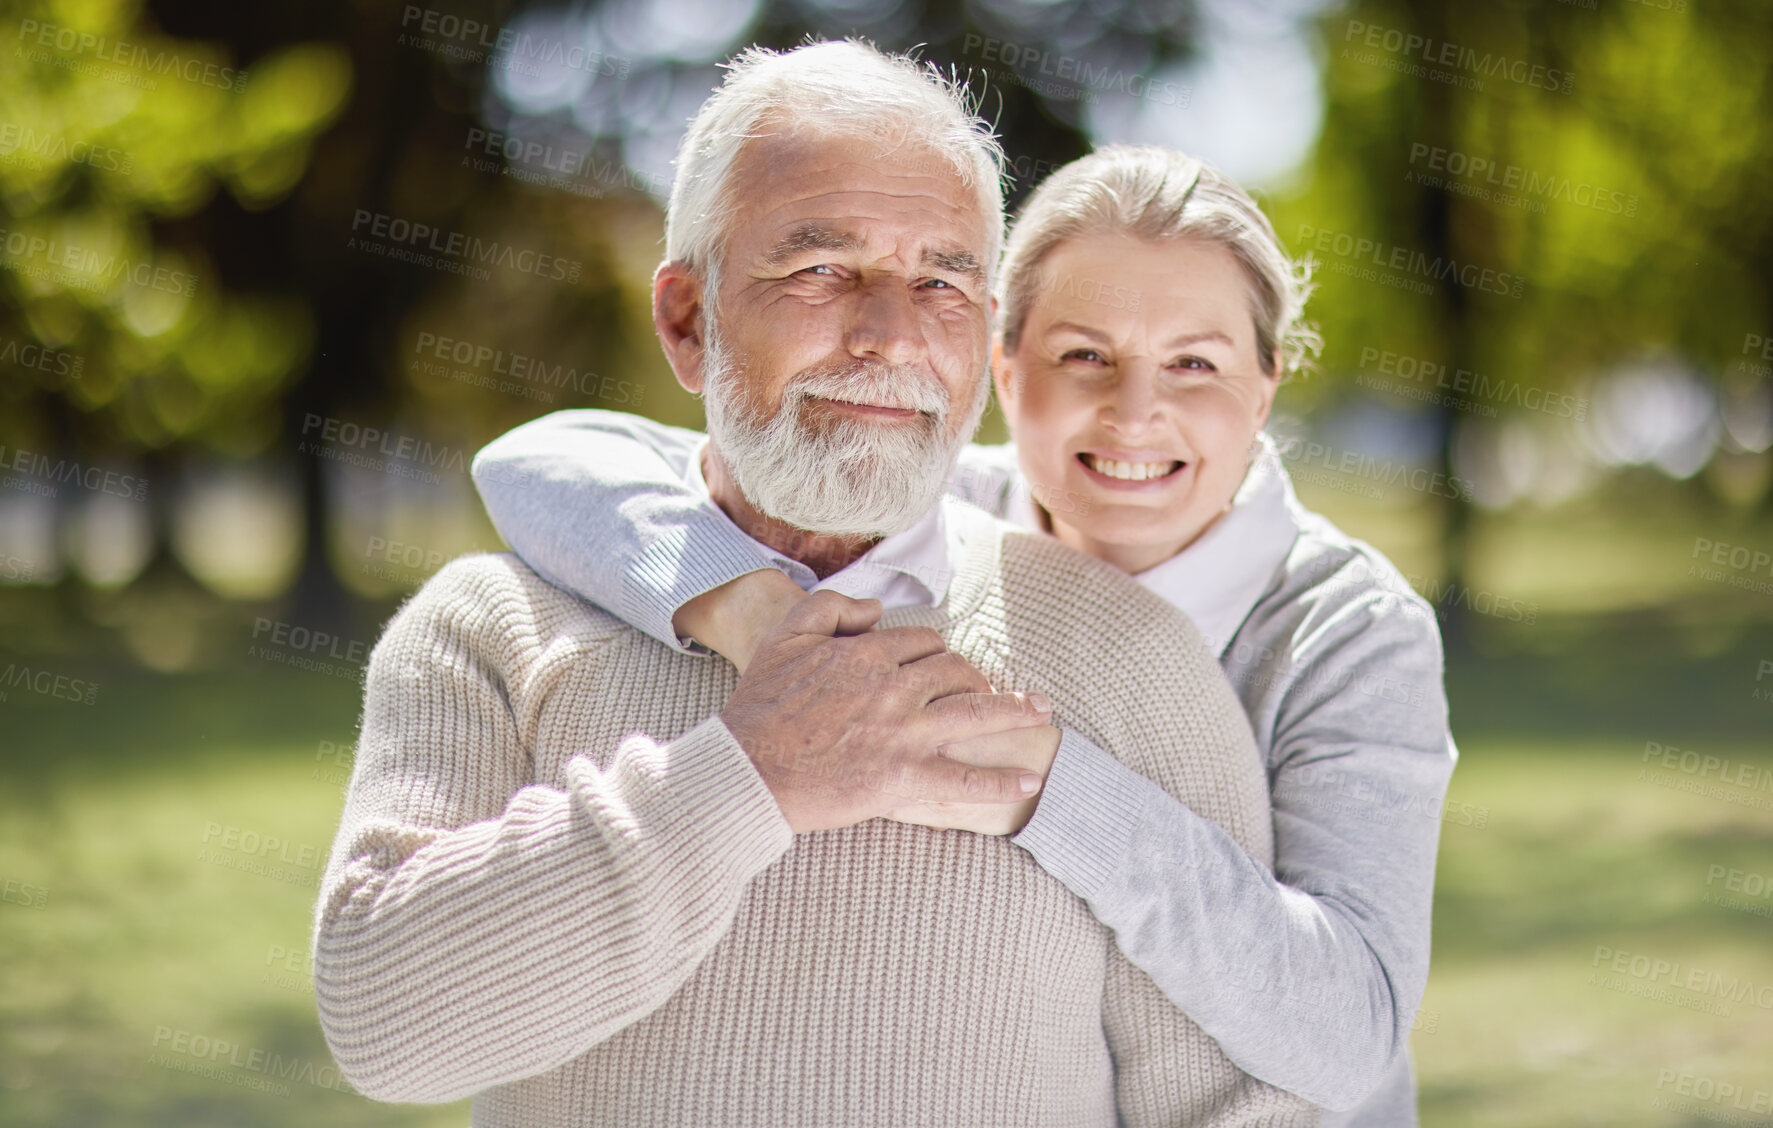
851, 201
952, 241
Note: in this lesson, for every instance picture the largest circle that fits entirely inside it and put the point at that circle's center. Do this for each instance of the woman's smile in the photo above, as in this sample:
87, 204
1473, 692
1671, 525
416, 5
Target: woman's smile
1122, 470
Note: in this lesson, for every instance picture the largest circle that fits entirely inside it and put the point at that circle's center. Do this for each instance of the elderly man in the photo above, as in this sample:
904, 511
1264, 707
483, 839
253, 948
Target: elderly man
590, 879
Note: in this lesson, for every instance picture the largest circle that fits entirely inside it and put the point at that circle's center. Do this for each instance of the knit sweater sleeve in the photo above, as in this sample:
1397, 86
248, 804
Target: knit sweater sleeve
475, 927
1312, 972
599, 503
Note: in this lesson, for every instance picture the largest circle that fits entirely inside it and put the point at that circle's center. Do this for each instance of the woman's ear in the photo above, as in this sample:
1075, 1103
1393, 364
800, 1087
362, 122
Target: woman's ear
1003, 378
678, 320
1270, 385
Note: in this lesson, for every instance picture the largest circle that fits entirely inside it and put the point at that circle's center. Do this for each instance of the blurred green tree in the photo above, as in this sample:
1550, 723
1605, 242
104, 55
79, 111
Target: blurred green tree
116, 139
1607, 165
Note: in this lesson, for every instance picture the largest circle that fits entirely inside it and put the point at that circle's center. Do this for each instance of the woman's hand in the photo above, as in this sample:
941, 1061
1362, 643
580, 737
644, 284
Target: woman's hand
1030, 748
733, 618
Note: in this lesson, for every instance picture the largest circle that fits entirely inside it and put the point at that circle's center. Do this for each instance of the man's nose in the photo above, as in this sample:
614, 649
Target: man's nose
884, 324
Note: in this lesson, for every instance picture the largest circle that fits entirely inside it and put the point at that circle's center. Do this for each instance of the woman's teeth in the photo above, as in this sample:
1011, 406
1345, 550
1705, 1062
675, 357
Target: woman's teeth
1129, 471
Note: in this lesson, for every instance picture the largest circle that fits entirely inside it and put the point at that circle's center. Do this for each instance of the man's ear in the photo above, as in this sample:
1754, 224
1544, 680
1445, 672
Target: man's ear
678, 319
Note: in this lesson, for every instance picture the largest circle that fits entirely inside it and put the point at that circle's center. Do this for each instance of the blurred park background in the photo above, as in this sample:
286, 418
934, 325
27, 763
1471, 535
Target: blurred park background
273, 272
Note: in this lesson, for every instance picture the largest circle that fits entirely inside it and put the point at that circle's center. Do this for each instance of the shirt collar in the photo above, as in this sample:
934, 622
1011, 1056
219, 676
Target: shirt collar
1218, 579
912, 567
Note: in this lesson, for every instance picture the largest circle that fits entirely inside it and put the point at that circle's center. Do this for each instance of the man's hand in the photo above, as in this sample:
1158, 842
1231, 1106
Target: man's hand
844, 729
1031, 749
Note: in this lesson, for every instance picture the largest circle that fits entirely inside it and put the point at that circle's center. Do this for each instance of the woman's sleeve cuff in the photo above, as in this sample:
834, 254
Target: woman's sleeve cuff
1087, 813
678, 567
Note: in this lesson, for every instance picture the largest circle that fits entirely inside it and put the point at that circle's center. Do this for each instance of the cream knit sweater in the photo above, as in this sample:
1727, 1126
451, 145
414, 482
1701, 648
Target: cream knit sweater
559, 884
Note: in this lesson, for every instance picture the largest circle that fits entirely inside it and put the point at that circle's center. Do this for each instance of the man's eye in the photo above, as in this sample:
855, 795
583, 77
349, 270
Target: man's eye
939, 284
824, 267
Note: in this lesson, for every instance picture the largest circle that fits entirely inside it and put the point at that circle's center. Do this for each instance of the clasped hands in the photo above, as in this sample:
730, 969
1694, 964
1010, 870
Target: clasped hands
846, 723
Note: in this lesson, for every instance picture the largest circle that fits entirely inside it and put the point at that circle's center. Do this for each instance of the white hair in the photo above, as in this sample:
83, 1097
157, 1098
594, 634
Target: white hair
846, 478
842, 89
1157, 194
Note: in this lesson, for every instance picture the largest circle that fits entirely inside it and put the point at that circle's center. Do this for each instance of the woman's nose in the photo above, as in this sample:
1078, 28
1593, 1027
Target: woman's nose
1130, 404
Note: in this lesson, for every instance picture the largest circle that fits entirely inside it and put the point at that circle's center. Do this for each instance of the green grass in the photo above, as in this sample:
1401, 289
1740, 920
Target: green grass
107, 811
1579, 853
105, 808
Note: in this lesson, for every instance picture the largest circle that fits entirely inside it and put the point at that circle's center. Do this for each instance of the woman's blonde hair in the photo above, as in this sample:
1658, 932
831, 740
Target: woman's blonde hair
1157, 194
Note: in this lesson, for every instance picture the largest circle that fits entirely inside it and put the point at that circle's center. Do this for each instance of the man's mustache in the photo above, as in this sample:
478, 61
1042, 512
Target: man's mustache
874, 383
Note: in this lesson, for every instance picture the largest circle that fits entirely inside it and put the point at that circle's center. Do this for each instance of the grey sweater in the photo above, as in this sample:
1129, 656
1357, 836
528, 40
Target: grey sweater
559, 884
1316, 970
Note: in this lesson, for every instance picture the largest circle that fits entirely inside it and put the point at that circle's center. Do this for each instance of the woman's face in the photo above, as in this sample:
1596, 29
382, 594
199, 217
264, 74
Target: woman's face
1135, 393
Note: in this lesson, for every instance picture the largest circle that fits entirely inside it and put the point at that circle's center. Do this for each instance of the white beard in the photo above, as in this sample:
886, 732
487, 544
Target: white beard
844, 478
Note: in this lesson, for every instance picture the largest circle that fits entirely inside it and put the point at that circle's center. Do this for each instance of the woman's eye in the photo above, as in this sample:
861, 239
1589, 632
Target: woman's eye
1090, 355
1194, 363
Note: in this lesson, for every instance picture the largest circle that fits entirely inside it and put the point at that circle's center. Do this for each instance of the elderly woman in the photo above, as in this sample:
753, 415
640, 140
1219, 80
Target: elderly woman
1148, 315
